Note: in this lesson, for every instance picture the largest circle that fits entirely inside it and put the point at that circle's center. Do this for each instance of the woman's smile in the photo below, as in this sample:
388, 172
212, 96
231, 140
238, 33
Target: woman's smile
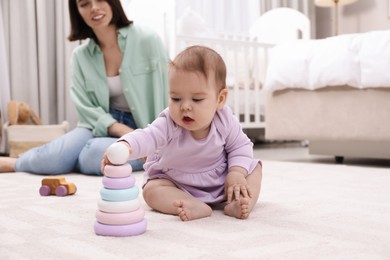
97, 17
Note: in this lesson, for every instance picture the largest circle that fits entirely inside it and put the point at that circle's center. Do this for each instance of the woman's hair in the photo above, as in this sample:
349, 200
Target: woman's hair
79, 30
203, 60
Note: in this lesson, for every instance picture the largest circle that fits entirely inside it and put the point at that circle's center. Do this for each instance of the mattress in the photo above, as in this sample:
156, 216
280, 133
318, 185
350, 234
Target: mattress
332, 113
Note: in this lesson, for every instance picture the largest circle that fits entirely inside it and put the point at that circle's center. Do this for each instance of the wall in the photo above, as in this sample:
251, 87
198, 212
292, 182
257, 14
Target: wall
361, 16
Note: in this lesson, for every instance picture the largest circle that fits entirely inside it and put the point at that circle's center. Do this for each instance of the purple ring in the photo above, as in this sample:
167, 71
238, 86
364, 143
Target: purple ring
118, 183
120, 230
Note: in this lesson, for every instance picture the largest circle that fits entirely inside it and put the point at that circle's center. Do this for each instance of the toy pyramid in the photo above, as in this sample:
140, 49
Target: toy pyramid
119, 211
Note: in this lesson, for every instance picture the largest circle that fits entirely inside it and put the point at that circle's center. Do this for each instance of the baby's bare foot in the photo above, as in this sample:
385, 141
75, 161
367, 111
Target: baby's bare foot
190, 210
181, 212
7, 164
238, 208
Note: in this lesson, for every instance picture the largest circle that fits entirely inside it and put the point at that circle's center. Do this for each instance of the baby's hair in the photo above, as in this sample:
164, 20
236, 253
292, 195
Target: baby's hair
203, 60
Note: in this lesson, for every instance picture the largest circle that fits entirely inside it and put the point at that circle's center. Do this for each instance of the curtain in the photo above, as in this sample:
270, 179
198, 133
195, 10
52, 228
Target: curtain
39, 57
4, 82
155, 14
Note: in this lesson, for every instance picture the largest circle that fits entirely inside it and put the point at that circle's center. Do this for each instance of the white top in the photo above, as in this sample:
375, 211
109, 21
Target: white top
117, 99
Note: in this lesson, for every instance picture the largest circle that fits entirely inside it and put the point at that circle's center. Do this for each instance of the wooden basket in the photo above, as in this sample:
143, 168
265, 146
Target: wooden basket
21, 138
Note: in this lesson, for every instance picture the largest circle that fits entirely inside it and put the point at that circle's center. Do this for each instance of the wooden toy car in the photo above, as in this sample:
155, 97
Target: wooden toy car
57, 186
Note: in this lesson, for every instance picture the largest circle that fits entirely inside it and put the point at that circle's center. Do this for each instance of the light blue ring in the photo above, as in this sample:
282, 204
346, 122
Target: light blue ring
119, 195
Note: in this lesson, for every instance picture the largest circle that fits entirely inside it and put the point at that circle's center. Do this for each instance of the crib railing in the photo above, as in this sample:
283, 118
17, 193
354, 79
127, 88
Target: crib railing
246, 61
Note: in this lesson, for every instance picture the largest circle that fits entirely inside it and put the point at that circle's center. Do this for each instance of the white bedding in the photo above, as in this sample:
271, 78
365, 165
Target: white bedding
357, 60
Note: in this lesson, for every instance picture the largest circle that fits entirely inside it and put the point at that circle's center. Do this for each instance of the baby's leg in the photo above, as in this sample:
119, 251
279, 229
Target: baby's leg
162, 195
242, 208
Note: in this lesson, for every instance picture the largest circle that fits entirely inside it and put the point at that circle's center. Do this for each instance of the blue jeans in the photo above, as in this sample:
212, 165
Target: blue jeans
76, 151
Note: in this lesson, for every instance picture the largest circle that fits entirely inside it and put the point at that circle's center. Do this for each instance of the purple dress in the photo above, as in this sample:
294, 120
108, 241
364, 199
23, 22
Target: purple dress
198, 167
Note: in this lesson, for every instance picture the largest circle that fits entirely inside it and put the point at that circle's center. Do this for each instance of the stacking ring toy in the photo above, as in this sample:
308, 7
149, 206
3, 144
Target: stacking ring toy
118, 183
118, 171
118, 206
119, 195
125, 218
120, 230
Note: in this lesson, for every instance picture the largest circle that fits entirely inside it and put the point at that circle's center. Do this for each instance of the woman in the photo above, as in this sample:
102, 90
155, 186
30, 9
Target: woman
119, 83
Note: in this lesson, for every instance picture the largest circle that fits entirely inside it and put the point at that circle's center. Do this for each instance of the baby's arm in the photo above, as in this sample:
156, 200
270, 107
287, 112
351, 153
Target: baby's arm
236, 184
142, 142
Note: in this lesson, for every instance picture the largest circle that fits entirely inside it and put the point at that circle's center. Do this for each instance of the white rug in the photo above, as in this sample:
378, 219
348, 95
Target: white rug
305, 211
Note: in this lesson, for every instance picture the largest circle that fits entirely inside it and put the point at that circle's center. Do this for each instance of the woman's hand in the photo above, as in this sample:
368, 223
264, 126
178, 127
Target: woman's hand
236, 184
118, 129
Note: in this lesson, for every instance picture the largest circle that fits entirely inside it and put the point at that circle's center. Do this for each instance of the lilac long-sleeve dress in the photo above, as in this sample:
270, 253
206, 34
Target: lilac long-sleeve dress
198, 167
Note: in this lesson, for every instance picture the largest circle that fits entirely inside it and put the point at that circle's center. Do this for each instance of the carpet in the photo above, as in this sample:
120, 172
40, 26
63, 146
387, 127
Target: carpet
305, 211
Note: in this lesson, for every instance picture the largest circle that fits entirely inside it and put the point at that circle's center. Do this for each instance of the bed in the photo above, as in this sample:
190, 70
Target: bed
246, 57
333, 92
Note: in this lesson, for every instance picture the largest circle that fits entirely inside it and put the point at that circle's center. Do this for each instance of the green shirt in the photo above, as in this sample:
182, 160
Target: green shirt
143, 74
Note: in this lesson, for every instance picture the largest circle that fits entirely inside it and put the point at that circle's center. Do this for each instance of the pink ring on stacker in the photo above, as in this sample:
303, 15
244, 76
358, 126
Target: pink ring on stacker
120, 230
118, 183
125, 218
118, 206
118, 171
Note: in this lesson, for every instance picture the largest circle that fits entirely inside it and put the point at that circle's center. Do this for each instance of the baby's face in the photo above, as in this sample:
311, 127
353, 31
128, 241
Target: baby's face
193, 101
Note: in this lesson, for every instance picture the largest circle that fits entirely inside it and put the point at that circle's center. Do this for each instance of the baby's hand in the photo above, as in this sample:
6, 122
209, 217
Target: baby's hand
236, 184
117, 154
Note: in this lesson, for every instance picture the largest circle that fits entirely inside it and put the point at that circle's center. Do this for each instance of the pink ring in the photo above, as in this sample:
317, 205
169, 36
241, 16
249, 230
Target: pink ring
118, 171
125, 218
118, 183
120, 230
118, 206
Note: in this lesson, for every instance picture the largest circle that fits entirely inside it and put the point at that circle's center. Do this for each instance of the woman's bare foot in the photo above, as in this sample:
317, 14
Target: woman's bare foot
188, 210
7, 164
238, 208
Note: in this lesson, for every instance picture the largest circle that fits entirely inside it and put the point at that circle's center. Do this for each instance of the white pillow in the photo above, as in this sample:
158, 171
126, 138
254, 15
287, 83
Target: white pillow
333, 62
287, 67
375, 59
